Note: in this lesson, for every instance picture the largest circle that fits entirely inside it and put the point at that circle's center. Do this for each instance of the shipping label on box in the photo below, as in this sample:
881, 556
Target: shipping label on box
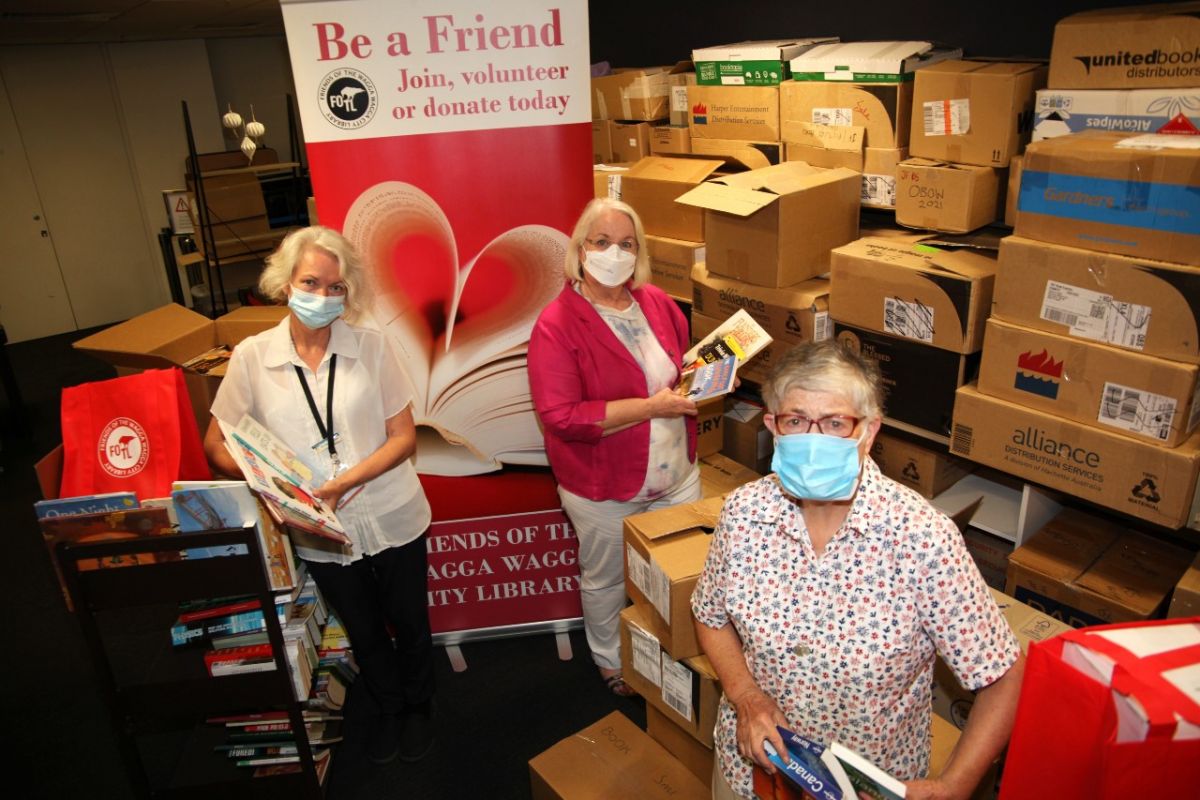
1127, 48
882, 111
679, 105
791, 315
664, 555
1144, 396
671, 264
1109, 469
939, 196
975, 112
940, 297
734, 112
606, 179
1064, 111
868, 62
917, 466
776, 226
1133, 303
758, 63
1131, 195
919, 380
739, 153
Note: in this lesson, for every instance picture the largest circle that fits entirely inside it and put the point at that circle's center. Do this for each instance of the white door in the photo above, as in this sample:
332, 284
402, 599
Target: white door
33, 300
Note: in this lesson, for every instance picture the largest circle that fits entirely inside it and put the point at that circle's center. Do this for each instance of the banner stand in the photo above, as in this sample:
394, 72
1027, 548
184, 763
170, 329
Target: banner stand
560, 628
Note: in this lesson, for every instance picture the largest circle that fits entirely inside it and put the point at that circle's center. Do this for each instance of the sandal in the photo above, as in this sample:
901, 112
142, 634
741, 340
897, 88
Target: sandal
617, 685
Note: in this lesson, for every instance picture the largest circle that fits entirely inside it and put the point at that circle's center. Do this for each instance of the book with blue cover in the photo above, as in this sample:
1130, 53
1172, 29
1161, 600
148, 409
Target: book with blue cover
709, 380
802, 764
85, 504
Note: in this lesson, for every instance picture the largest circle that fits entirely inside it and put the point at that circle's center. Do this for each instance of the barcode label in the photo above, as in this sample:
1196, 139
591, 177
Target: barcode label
614, 186
910, 320
660, 589
637, 569
1137, 411
963, 439
1096, 316
646, 654
679, 98
677, 686
833, 116
947, 117
879, 190
821, 327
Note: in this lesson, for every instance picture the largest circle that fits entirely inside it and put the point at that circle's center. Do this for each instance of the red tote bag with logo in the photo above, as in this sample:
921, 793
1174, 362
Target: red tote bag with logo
132, 434
1068, 744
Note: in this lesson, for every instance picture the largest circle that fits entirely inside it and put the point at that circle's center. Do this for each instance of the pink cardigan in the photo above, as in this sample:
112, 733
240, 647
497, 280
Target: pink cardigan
576, 365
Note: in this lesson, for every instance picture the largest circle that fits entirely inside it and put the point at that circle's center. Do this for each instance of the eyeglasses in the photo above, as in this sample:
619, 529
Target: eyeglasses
628, 245
838, 425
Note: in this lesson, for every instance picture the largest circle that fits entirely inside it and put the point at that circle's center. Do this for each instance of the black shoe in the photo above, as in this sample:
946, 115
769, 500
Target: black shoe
384, 744
416, 735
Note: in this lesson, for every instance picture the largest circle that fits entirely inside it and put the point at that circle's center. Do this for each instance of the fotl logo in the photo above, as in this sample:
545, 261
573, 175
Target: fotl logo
123, 448
348, 98
700, 114
1038, 374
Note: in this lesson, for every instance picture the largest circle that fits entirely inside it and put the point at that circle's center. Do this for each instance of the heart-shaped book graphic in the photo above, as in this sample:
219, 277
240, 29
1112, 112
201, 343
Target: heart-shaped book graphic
460, 330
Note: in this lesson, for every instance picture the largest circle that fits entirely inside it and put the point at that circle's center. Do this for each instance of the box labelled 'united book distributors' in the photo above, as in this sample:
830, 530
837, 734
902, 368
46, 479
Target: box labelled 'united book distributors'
1127, 48
1110, 469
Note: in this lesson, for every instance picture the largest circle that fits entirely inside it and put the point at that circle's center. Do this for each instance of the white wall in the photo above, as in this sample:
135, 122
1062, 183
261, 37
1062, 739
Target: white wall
254, 71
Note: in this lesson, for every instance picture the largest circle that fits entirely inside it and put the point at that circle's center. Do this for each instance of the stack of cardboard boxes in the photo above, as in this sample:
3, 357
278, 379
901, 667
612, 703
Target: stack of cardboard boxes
849, 105
625, 106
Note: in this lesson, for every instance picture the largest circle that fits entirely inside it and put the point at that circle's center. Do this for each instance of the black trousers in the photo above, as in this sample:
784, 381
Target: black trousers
388, 588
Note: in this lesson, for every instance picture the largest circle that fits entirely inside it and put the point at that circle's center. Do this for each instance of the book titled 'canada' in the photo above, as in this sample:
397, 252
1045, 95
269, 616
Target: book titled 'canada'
807, 769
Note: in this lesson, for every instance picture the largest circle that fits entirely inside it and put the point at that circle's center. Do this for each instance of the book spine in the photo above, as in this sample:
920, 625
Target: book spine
226, 610
224, 668
183, 633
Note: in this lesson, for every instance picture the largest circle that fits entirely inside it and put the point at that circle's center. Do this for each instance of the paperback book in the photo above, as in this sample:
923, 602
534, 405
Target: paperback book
831, 773
709, 380
738, 336
85, 504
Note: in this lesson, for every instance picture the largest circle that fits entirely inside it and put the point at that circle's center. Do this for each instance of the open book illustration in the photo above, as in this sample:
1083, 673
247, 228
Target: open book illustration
833, 772
738, 336
460, 324
281, 479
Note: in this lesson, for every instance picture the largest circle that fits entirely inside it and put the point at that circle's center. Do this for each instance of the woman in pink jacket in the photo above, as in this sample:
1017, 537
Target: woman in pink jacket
604, 359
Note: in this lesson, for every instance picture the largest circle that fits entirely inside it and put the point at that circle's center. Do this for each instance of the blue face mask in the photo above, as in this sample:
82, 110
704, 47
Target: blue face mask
813, 466
315, 310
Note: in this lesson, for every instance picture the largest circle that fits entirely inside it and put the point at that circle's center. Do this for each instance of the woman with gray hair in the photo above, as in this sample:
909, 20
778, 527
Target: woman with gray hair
829, 589
604, 360
333, 390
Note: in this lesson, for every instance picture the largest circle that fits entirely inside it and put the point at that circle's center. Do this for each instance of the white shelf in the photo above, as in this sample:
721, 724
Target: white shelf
1010, 510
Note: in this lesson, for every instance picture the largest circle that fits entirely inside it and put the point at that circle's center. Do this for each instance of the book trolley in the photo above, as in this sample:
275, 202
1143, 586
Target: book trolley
158, 695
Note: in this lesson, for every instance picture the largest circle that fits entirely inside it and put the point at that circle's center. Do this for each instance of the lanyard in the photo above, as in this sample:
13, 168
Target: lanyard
327, 433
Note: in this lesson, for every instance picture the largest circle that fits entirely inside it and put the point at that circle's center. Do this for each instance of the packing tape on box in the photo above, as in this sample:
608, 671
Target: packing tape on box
644, 89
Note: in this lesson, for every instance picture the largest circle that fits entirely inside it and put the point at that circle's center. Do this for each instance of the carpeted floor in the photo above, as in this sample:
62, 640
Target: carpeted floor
515, 699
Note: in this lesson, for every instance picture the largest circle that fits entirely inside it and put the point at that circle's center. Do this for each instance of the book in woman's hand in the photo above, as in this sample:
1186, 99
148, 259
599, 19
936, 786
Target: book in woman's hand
709, 380
739, 336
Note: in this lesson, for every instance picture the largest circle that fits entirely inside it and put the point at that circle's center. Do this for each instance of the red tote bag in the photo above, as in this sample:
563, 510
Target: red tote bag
1064, 744
135, 434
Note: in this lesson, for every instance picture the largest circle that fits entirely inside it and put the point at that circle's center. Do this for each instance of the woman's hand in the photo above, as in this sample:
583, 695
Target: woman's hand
929, 790
331, 493
757, 716
669, 403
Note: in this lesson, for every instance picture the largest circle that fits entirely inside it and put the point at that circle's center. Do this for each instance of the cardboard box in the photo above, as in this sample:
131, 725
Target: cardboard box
775, 226
606, 179
653, 184
611, 759
921, 467
952, 702
671, 264
734, 112
1087, 570
686, 690
1127, 48
1014, 191
1064, 111
1147, 306
975, 112
919, 379
670, 140
868, 62
940, 297
720, 475
882, 110
664, 555
791, 315
675, 740
1111, 192
943, 739
739, 153
759, 63
1185, 600
1109, 469
170, 335
709, 436
630, 140
632, 94
940, 196
747, 440
990, 554
878, 167
1143, 396
602, 146
679, 104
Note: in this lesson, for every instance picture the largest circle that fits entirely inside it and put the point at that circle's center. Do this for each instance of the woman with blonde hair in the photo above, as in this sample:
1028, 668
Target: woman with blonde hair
604, 359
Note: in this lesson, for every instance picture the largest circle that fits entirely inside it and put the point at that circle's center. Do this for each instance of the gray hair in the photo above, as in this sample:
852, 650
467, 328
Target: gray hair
827, 366
573, 267
281, 266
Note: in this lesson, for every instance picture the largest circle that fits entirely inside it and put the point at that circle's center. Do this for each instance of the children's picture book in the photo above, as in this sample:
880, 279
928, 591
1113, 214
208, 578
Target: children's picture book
279, 476
709, 380
86, 504
738, 336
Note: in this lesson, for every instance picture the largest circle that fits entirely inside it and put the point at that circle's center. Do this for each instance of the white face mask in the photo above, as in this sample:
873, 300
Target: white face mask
611, 267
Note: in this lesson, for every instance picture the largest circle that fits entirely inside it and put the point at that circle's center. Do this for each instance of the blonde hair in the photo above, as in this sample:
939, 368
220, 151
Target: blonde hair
827, 366
574, 268
281, 266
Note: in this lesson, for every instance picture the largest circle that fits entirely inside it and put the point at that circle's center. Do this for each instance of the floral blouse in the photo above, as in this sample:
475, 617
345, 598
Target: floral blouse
845, 642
